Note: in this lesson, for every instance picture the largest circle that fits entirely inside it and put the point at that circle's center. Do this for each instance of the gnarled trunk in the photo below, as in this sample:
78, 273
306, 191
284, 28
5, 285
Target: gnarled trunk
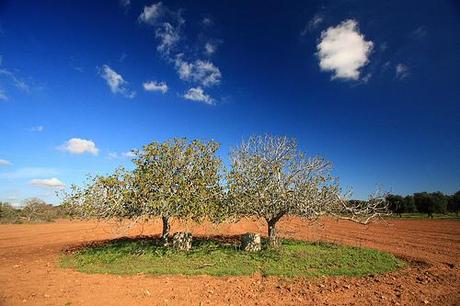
165, 234
272, 238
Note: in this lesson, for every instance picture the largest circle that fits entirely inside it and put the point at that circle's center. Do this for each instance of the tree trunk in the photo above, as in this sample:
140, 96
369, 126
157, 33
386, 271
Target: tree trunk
272, 233
272, 238
165, 234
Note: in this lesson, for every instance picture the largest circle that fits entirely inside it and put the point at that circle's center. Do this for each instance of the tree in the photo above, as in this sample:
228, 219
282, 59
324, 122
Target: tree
37, 210
454, 203
104, 197
430, 203
8, 213
271, 178
396, 204
178, 179
175, 178
440, 202
410, 204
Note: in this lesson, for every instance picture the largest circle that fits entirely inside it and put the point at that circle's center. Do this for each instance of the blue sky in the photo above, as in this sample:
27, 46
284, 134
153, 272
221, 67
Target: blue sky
372, 86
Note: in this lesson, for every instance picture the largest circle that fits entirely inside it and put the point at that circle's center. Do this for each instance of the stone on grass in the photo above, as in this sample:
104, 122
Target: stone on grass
250, 242
182, 241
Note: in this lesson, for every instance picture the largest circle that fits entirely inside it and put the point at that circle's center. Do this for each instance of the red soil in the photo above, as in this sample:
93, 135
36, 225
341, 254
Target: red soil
30, 274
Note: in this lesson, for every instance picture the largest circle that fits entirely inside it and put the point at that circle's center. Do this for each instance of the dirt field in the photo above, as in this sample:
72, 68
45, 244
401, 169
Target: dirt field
30, 275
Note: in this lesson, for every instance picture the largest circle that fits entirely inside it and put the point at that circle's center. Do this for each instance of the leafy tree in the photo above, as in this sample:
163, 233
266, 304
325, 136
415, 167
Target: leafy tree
8, 213
271, 178
178, 179
440, 202
454, 203
430, 203
175, 178
396, 204
409, 204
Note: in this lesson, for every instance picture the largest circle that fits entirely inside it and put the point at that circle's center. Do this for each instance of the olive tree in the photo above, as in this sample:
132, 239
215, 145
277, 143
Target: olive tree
270, 178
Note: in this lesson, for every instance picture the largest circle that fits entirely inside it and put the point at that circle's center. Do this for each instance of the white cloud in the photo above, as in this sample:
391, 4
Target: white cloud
203, 72
197, 94
402, 71
116, 82
38, 128
344, 50
80, 146
210, 48
151, 13
155, 86
168, 35
48, 183
4, 162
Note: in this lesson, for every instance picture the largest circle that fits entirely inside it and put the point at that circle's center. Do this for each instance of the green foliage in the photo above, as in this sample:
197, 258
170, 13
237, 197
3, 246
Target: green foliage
211, 257
396, 204
424, 202
8, 214
430, 203
454, 203
179, 179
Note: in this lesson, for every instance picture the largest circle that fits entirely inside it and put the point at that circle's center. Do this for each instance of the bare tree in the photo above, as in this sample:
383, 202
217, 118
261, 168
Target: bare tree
271, 178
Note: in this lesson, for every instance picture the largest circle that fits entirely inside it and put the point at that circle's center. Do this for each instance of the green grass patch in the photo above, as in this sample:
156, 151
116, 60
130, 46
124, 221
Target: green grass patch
221, 257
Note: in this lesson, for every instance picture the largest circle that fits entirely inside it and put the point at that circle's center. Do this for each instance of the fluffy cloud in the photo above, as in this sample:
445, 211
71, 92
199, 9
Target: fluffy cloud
48, 183
151, 13
197, 94
116, 82
4, 162
402, 71
203, 72
155, 86
344, 50
80, 146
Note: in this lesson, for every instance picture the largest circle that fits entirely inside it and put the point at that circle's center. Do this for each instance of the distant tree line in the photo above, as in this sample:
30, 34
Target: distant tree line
32, 210
424, 202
